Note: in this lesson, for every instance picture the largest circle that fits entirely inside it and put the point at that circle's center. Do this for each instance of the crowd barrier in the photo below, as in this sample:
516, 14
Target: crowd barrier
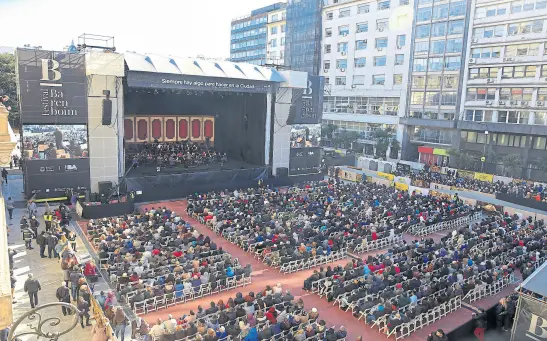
303, 264
422, 229
485, 290
378, 244
182, 296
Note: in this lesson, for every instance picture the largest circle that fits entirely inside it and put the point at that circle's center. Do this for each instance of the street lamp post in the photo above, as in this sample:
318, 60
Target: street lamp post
483, 157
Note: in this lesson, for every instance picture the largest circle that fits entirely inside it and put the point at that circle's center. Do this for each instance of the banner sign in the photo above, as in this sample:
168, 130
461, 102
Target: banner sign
388, 176
418, 190
401, 186
504, 179
402, 180
466, 174
401, 167
484, 177
139, 79
434, 185
52, 178
52, 87
435, 169
307, 104
531, 320
303, 161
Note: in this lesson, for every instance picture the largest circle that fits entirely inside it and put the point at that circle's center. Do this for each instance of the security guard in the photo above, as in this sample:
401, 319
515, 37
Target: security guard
27, 237
48, 217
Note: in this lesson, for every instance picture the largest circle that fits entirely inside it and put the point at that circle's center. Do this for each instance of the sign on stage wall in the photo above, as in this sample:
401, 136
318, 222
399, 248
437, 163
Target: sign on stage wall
52, 87
305, 156
531, 320
188, 82
308, 103
52, 178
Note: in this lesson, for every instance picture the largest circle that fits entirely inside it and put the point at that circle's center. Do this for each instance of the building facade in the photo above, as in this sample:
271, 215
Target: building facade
249, 36
365, 60
505, 97
277, 26
436, 77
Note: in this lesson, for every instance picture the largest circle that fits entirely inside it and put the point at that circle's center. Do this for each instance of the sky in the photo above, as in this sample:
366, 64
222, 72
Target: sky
180, 28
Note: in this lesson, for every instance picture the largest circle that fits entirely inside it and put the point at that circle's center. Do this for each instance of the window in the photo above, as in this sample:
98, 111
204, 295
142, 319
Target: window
422, 31
424, 14
401, 40
540, 118
399, 59
363, 9
454, 45
489, 32
342, 64
326, 65
438, 29
340, 81
483, 72
542, 94
328, 32
452, 63
535, 26
490, 11
516, 94
360, 62
397, 79
275, 17
343, 30
380, 61
382, 24
362, 27
327, 48
418, 81
329, 15
449, 98
282, 41
457, 8
273, 30
283, 28
480, 94
478, 116
420, 65
342, 47
383, 5
522, 50
544, 70
421, 47
435, 64
539, 142
327, 80
486, 52
358, 80
361, 44
345, 12
433, 81
378, 79
437, 46
432, 98
519, 71
515, 117
455, 27
417, 98
380, 43
273, 42
440, 11
424, 2
450, 81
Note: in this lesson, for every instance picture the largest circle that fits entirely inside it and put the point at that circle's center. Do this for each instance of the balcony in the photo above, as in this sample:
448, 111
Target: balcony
427, 122
494, 127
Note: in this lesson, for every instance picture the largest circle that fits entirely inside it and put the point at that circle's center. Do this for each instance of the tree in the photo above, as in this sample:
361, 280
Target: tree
512, 164
384, 138
459, 159
395, 147
328, 129
8, 86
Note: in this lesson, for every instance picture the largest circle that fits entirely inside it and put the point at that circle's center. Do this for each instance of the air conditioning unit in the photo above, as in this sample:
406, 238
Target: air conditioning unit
399, 47
342, 70
344, 34
379, 49
514, 102
367, 10
474, 41
501, 102
488, 102
326, 70
539, 103
380, 29
490, 80
353, 86
381, 83
471, 60
448, 86
360, 31
524, 103
343, 53
508, 59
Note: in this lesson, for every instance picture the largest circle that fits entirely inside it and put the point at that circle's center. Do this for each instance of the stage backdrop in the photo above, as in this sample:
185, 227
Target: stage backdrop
531, 320
52, 93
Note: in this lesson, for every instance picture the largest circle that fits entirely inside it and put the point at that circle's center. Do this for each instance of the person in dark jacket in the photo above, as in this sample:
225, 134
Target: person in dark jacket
480, 324
51, 240
32, 286
63, 295
27, 237
83, 307
501, 311
439, 335
42, 242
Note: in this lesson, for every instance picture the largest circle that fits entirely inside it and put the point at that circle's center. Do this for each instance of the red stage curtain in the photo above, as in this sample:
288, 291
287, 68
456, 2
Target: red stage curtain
128, 129
208, 128
170, 128
156, 128
142, 129
196, 128
183, 129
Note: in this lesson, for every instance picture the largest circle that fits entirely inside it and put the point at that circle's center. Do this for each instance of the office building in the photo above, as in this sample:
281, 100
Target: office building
365, 60
249, 36
276, 28
436, 76
505, 98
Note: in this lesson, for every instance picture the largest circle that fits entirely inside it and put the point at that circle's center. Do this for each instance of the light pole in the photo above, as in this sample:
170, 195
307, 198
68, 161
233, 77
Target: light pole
483, 158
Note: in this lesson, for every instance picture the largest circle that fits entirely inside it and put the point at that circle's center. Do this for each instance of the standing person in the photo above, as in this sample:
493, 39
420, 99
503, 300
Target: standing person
27, 237
34, 224
32, 208
63, 295
10, 205
72, 240
48, 217
42, 242
511, 309
99, 330
11, 253
51, 243
5, 175
13, 281
501, 311
32, 286
83, 307
120, 322
75, 276
439, 335
480, 323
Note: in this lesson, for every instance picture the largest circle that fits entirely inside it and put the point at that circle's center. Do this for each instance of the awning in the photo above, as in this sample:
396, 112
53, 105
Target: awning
440, 151
536, 281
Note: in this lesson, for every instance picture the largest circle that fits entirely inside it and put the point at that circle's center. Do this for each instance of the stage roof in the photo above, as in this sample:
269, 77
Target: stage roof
199, 67
536, 281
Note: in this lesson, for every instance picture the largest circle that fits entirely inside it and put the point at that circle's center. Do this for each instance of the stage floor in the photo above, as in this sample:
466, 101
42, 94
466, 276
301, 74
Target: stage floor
148, 170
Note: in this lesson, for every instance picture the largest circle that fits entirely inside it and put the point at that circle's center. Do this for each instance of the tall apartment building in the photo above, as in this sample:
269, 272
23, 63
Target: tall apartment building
249, 36
365, 60
276, 28
505, 98
436, 78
